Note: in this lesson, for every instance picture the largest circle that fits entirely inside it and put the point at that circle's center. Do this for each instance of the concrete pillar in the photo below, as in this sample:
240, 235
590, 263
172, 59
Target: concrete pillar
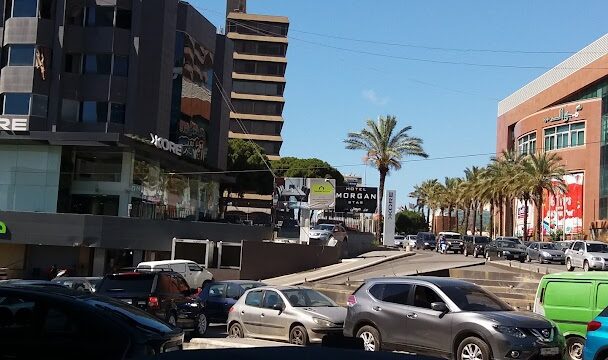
304, 225
126, 178
138, 256
99, 262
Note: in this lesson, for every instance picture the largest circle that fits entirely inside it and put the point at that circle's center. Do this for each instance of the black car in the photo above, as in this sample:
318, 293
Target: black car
475, 245
164, 294
504, 249
54, 322
425, 240
218, 297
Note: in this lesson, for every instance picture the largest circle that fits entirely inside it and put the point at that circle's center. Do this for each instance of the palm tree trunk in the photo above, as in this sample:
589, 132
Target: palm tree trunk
466, 219
443, 219
501, 211
525, 218
474, 218
539, 214
380, 199
480, 218
449, 218
492, 218
456, 219
428, 214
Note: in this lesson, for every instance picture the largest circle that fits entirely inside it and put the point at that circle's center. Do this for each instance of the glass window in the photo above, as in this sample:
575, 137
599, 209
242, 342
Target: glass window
69, 110
100, 16
45, 9
117, 113
307, 298
376, 291
563, 136
194, 267
21, 55
182, 285
424, 297
474, 298
254, 298
94, 111
234, 291
98, 64
577, 246
217, 291
121, 65
73, 63
271, 298
527, 144
74, 15
123, 18
397, 293
16, 104
24, 8
99, 166
39, 105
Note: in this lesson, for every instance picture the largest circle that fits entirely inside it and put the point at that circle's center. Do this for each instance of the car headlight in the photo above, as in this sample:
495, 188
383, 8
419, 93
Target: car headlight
596, 258
545, 254
323, 322
426, 243
506, 252
509, 330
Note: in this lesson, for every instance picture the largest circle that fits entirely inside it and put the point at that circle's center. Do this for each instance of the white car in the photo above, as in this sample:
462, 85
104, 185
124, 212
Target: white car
196, 275
411, 240
399, 240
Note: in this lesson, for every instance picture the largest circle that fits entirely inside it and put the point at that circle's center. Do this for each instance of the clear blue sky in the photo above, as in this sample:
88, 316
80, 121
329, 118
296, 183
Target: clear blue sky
452, 107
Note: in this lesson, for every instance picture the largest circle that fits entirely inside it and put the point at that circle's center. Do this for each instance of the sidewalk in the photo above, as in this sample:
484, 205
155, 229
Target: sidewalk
346, 266
228, 343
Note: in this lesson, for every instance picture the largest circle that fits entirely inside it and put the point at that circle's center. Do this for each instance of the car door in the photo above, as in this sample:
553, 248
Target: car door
389, 310
491, 249
180, 296
577, 253
533, 251
215, 300
274, 322
429, 331
251, 312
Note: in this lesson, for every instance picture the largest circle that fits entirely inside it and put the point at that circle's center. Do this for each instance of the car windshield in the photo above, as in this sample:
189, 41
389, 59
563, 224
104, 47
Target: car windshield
482, 240
307, 298
133, 283
547, 246
427, 237
325, 227
474, 298
597, 248
451, 236
131, 314
247, 286
506, 244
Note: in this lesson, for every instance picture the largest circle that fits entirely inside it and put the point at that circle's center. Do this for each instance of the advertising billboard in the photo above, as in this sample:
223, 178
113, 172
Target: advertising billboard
322, 194
519, 218
351, 199
565, 211
303, 193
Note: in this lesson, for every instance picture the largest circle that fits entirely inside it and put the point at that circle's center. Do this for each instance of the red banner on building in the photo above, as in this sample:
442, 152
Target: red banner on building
565, 211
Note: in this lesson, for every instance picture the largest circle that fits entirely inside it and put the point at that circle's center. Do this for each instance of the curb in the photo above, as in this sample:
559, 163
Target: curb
533, 274
228, 343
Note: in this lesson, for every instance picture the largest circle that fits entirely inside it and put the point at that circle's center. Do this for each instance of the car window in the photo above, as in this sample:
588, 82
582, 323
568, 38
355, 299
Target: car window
217, 291
254, 298
307, 298
397, 293
194, 267
555, 290
597, 248
144, 267
182, 285
482, 240
424, 297
506, 244
327, 227
234, 291
271, 298
546, 246
577, 246
180, 268
474, 298
132, 283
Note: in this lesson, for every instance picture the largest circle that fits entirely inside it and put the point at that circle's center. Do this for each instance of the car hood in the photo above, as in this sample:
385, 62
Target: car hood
598, 254
335, 314
319, 232
511, 249
520, 319
552, 252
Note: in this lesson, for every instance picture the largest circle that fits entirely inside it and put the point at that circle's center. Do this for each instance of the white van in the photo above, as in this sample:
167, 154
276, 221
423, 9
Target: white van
195, 275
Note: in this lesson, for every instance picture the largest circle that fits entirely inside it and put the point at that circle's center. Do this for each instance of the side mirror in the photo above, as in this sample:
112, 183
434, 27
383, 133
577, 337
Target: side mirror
278, 307
440, 306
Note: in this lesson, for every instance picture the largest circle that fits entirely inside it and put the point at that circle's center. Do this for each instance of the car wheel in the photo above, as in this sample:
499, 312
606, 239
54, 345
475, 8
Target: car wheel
236, 331
473, 348
487, 256
370, 337
528, 258
201, 325
475, 253
574, 348
569, 266
586, 266
172, 319
521, 259
298, 335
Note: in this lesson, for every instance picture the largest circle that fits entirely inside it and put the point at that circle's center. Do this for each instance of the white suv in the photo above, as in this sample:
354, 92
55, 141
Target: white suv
196, 275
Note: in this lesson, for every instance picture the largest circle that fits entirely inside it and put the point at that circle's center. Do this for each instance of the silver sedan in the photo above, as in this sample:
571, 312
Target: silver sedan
296, 314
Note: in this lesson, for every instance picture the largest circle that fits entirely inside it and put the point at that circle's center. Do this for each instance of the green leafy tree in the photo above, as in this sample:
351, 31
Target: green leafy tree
385, 147
250, 171
410, 222
306, 168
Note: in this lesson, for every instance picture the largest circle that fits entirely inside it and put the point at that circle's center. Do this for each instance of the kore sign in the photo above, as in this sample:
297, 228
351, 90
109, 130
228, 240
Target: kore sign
166, 145
14, 124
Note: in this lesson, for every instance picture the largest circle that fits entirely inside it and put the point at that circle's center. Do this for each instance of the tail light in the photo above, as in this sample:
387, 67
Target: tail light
231, 309
153, 302
594, 325
351, 301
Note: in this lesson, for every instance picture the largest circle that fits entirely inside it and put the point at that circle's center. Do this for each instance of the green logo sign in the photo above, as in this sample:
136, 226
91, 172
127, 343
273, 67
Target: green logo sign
2, 228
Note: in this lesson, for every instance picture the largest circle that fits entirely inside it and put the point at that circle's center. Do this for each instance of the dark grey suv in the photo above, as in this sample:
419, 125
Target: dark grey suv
448, 318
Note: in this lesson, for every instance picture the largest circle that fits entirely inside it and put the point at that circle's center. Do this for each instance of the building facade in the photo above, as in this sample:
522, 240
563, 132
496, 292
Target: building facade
564, 111
109, 108
258, 78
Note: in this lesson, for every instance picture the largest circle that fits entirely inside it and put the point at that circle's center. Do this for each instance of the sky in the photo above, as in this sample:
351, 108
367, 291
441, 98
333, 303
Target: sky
334, 84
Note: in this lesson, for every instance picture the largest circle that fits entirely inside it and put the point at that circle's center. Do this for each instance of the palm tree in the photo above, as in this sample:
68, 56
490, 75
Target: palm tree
473, 177
451, 198
546, 173
385, 148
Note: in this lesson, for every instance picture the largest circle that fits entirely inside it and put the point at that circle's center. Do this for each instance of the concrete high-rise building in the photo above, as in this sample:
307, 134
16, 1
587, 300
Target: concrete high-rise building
258, 77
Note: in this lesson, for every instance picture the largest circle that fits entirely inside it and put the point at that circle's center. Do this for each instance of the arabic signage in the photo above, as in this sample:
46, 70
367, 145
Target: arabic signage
565, 211
14, 124
564, 115
351, 199
390, 207
166, 145
322, 194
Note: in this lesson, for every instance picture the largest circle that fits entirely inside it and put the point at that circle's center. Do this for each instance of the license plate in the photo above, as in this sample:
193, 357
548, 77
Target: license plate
128, 301
549, 351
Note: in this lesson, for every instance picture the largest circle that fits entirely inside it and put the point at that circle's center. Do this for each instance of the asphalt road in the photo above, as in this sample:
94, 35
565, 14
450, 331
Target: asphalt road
424, 262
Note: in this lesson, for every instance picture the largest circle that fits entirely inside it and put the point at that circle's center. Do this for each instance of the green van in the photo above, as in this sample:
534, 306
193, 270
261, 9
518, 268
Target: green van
571, 300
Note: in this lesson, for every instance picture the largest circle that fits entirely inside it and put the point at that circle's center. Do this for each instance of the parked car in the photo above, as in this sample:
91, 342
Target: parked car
588, 255
504, 249
447, 318
54, 322
219, 297
475, 244
596, 347
453, 241
86, 284
564, 245
545, 252
30, 282
411, 241
288, 313
327, 234
425, 240
514, 239
163, 294
572, 300
399, 240
196, 275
